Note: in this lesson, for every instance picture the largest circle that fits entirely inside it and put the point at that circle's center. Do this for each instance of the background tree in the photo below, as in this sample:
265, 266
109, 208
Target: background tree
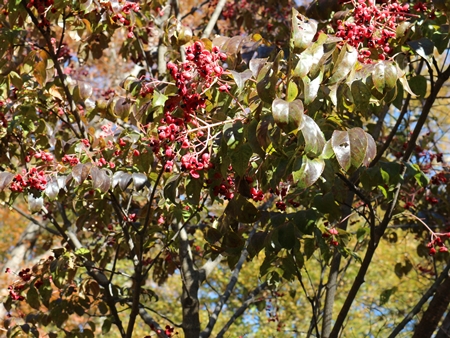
224, 168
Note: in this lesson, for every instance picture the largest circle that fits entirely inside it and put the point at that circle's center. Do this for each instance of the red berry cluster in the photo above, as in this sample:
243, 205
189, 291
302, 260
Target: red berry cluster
191, 162
122, 18
436, 242
70, 159
273, 308
25, 274
370, 27
41, 7
331, 236
31, 179
42, 155
14, 292
192, 77
428, 271
225, 187
439, 179
3, 120
168, 330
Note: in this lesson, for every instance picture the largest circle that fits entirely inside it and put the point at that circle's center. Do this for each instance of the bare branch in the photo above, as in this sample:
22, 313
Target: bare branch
415, 310
234, 278
151, 322
250, 300
214, 17
359, 280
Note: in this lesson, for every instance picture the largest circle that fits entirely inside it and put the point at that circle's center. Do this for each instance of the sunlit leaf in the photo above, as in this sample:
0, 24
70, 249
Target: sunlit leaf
340, 142
303, 31
288, 115
309, 172
5, 179
314, 139
344, 64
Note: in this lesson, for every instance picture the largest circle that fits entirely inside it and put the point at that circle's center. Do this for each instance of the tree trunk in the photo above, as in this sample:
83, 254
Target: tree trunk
444, 330
435, 311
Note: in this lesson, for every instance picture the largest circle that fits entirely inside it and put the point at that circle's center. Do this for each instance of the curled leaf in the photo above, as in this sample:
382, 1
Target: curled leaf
288, 115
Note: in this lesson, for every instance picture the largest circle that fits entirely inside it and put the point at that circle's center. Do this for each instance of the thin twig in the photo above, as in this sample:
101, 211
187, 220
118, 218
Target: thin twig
250, 300
234, 278
415, 310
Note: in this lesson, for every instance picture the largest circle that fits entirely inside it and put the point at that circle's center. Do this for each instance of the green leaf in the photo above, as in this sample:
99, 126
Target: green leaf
241, 78
303, 31
33, 298
386, 294
159, 99
80, 172
418, 85
288, 115
361, 95
310, 58
346, 61
358, 146
171, 188
292, 91
35, 203
286, 235
340, 141
240, 158
5, 179
311, 88
353, 147
423, 47
255, 66
309, 172
100, 179
140, 181
106, 327
314, 139
83, 252
266, 82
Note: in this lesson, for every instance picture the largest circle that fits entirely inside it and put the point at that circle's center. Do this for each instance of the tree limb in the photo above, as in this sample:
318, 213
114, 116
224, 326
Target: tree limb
421, 302
234, 278
214, 17
250, 300
359, 280
151, 322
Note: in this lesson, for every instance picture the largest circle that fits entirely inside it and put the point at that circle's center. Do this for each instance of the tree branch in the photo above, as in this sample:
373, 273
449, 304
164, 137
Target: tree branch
151, 322
98, 275
250, 300
191, 284
421, 302
359, 280
234, 278
61, 76
214, 17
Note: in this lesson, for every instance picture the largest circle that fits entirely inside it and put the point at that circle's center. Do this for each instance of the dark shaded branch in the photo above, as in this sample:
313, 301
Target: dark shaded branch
310, 300
98, 275
331, 286
234, 278
421, 302
379, 232
250, 300
35, 221
191, 284
387, 142
434, 312
444, 329
61, 76
194, 9
151, 322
